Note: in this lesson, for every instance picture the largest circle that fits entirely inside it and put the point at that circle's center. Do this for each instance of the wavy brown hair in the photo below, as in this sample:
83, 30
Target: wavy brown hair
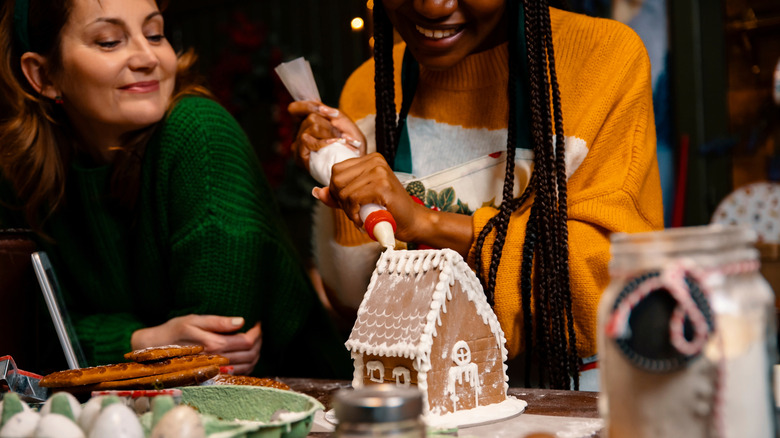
36, 140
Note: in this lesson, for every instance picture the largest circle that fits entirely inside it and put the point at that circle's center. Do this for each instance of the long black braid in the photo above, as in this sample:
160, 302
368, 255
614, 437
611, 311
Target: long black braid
387, 132
548, 323
562, 230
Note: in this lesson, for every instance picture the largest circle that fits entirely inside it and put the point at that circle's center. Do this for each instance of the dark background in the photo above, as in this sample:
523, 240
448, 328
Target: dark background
239, 42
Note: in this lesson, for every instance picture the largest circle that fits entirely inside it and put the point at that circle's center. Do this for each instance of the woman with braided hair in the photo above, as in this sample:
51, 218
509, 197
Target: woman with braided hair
483, 88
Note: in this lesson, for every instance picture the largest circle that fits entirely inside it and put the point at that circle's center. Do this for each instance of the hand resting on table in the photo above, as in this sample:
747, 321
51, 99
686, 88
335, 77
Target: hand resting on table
217, 334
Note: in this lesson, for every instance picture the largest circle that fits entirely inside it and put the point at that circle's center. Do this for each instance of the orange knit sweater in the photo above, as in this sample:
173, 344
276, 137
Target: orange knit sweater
604, 77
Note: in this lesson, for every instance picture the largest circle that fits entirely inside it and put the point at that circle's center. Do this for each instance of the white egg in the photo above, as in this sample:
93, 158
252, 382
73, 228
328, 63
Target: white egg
89, 413
116, 421
179, 422
75, 406
57, 426
21, 425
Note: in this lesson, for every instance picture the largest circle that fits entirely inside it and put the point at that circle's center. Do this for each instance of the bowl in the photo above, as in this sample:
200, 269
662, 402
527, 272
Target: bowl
233, 411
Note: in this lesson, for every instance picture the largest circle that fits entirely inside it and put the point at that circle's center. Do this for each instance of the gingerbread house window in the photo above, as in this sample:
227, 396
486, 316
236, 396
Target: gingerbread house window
402, 376
375, 370
461, 354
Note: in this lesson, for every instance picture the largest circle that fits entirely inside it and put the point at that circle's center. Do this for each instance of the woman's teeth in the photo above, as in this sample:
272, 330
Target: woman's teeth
435, 34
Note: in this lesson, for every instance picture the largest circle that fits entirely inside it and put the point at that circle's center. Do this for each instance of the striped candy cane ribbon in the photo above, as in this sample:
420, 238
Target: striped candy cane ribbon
680, 280
683, 281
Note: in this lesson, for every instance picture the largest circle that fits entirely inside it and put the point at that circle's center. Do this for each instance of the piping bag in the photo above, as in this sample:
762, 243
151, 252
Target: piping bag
299, 81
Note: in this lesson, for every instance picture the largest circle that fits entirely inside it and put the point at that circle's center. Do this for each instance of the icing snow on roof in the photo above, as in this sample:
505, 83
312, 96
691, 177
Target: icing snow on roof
408, 292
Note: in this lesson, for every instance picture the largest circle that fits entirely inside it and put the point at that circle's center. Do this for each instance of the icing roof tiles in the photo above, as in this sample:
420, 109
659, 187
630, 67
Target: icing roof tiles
403, 321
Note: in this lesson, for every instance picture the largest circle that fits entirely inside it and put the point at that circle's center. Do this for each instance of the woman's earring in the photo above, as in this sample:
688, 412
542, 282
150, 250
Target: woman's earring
58, 100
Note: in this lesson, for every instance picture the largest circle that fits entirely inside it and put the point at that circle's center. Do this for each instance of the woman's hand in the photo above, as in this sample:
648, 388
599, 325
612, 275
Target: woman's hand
217, 334
369, 179
321, 126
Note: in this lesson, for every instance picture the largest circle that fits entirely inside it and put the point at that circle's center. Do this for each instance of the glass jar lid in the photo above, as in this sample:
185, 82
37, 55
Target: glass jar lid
377, 404
685, 239
709, 246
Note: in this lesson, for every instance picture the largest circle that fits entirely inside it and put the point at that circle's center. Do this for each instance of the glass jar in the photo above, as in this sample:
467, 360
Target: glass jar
383, 410
687, 336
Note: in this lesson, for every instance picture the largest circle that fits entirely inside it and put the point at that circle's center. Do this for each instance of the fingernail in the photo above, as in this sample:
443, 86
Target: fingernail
330, 112
237, 321
315, 192
352, 141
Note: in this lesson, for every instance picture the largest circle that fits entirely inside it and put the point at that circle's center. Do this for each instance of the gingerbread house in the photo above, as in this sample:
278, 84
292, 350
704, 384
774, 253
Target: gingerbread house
425, 321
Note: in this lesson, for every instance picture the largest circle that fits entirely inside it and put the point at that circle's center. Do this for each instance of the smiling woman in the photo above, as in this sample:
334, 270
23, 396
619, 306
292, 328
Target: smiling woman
524, 135
116, 73
146, 194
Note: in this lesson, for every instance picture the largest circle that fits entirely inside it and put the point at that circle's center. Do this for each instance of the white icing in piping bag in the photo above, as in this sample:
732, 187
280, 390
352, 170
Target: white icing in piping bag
377, 221
299, 81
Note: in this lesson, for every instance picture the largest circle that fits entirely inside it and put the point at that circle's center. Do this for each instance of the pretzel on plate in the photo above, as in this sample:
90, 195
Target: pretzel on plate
130, 370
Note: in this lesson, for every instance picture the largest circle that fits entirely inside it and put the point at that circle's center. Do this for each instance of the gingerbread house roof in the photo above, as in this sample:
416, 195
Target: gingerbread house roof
402, 321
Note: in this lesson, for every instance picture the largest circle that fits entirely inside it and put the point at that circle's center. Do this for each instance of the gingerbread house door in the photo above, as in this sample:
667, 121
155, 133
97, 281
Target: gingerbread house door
463, 385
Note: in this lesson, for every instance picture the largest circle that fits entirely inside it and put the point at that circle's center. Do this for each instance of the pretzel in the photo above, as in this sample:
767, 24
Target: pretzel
186, 377
227, 379
162, 352
130, 370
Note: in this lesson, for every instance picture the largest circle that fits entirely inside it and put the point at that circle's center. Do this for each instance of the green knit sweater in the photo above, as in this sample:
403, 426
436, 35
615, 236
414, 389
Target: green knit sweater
206, 239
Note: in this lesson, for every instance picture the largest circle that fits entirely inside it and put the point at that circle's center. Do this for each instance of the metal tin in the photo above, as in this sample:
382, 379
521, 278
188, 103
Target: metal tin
382, 410
24, 383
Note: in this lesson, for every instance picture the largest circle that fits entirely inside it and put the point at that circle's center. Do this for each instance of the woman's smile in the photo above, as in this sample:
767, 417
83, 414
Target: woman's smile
142, 87
436, 34
442, 33
436, 41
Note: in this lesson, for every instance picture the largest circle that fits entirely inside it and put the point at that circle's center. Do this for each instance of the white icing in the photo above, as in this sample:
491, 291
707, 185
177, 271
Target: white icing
398, 373
373, 366
479, 415
418, 266
321, 161
409, 267
392, 265
357, 375
464, 370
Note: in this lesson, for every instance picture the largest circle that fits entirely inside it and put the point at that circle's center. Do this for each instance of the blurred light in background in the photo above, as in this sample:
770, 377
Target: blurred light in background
357, 23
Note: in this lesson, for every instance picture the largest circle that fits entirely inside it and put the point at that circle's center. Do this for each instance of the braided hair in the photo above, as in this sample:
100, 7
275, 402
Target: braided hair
548, 324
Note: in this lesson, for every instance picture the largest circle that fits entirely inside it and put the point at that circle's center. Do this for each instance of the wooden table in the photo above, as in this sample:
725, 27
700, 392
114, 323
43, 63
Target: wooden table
541, 402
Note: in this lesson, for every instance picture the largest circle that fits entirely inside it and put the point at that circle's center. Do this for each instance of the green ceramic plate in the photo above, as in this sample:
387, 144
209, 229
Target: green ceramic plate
250, 411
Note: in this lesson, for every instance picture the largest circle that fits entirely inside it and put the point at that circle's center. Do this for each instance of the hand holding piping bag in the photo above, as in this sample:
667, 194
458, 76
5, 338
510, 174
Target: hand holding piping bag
335, 132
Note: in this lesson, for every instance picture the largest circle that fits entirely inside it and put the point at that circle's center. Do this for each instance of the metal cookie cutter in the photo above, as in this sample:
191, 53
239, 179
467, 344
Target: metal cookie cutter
21, 382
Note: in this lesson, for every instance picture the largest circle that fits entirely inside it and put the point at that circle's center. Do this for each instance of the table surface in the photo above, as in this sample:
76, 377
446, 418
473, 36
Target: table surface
541, 402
